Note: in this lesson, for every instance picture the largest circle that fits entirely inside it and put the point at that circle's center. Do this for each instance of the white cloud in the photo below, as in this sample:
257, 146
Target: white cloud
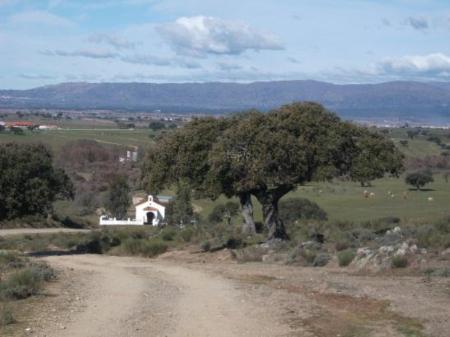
160, 61
225, 66
89, 53
115, 41
33, 76
38, 17
432, 65
202, 35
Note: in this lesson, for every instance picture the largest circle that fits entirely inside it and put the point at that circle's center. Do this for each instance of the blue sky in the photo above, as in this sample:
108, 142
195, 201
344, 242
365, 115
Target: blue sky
342, 41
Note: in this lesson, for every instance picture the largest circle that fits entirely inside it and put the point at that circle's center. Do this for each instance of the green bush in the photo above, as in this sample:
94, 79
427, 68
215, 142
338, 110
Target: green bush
168, 234
223, 212
11, 260
345, 257
295, 209
6, 316
153, 248
26, 282
205, 246
143, 247
321, 260
187, 234
438, 272
399, 262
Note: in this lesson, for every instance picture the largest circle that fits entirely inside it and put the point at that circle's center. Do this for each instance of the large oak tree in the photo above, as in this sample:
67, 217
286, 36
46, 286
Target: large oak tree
267, 155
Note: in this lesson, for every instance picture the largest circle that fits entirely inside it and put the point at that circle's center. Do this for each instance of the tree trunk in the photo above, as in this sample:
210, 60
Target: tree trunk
248, 227
269, 201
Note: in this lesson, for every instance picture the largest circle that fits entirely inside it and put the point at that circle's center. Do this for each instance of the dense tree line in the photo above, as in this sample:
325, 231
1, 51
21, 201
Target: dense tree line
267, 155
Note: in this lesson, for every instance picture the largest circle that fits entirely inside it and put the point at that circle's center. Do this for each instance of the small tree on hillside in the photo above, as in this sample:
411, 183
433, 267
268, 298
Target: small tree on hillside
156, 126
412, 133
118, 198
419, 179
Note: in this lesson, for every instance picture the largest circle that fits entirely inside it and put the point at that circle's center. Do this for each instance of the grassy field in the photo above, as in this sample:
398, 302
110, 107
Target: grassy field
344, 201
55, 139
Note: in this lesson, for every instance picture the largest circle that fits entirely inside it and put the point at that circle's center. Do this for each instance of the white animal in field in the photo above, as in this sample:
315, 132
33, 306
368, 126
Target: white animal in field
430, 199
372, 194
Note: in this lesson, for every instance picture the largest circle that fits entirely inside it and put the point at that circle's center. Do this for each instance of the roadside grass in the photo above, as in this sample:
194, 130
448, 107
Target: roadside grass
21, 278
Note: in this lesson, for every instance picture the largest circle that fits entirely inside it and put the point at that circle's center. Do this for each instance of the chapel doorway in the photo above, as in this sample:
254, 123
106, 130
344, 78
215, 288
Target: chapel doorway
150, 218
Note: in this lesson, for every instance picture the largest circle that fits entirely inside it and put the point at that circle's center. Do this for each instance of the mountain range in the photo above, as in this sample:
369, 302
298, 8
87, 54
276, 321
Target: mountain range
404, 101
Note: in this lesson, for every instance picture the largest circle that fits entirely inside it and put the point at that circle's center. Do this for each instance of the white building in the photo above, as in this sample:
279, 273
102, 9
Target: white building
149, 212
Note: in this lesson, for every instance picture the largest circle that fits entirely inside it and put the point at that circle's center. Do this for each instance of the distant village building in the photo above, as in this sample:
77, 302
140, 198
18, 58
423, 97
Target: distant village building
20, 124
151, 211
131, 156
48, 127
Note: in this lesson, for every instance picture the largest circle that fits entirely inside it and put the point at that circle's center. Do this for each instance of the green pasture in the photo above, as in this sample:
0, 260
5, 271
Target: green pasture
55, 139
345, 201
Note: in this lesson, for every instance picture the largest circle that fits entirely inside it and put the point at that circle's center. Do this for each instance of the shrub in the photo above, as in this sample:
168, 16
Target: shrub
6, 316
321, 260
342, 245
399, 262
142, 247
187, 234
346, 257
250, 254
10, 260
223, 212
153, 248
26, 282
132, 246
168, 234
205, 246
295, 209
439, 272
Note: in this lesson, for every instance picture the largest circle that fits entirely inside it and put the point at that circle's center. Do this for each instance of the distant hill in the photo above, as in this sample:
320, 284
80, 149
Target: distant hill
411, 101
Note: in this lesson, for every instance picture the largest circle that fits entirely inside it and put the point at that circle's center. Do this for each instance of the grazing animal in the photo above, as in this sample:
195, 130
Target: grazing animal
372, 194
430, 199
366, 194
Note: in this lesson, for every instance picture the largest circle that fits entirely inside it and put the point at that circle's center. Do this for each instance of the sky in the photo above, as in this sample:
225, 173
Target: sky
44, 42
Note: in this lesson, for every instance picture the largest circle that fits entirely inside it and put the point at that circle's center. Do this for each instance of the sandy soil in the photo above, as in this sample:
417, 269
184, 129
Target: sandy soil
206, 295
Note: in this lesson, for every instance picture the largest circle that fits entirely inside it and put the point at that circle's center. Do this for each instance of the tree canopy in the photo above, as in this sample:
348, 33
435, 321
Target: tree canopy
118, 197
268, 155
29, 183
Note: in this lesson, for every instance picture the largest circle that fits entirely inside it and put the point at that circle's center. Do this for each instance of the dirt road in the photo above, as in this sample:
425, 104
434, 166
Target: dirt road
113, 296
206, 295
